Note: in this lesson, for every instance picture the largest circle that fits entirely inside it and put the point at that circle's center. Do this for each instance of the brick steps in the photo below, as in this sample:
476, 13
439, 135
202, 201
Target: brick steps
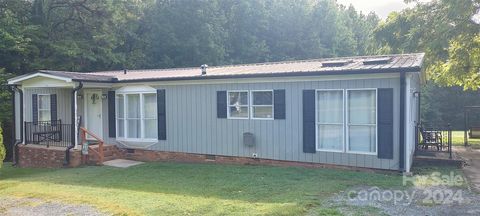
110, 152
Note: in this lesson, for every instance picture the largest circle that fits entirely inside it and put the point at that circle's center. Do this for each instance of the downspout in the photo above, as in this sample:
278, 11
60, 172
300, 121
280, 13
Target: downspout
74, 123
419, 106
402, 122
16, 142
417, 123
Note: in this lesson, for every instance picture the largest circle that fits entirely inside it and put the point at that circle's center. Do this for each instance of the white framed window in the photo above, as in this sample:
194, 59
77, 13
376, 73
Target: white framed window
120, 115
262, 104
136, 116
329, 108
238, 105
361, 115
43, 107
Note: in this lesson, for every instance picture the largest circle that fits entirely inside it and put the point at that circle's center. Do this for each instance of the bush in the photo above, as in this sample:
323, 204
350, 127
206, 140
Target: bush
2, 147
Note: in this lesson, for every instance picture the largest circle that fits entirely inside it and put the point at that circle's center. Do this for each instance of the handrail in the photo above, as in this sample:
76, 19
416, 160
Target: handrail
91, 134
84, 133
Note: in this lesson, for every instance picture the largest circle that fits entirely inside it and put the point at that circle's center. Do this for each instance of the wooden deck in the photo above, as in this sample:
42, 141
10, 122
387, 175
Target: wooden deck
437, 158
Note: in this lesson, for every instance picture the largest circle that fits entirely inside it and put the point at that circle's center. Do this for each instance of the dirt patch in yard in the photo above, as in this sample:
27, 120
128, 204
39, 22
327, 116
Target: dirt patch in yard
37, 207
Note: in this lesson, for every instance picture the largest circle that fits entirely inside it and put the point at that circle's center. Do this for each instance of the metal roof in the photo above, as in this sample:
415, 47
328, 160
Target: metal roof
79, 75
396, 63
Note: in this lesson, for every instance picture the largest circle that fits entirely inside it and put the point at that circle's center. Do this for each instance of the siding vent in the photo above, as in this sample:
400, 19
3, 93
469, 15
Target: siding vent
377, 61
339, 63
131, 151
204, 69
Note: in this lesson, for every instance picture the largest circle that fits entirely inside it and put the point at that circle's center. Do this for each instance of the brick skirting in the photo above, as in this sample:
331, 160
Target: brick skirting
53, 157
149, 155
40, 156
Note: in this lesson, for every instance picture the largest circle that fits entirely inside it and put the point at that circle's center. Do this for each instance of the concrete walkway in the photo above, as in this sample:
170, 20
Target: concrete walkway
472, 168
121, 163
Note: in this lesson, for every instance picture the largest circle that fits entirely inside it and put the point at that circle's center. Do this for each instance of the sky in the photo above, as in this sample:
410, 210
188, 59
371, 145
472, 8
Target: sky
381, 7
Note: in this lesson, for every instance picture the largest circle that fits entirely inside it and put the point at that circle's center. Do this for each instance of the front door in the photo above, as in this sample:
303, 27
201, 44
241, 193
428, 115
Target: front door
93, 112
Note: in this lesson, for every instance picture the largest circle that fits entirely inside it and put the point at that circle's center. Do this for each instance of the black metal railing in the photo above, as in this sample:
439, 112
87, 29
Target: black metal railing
49, 133
433, 138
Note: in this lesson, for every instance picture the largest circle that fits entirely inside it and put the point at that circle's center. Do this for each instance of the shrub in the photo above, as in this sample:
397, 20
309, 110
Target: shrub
2, 147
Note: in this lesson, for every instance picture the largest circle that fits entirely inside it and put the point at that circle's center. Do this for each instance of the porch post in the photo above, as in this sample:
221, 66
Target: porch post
74, 127
76, 119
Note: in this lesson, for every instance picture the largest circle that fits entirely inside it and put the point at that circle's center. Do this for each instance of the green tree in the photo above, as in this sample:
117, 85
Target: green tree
444, 105
85, 35
16, 37
246, 27
5, 96
3, 152
185, 33
446, 31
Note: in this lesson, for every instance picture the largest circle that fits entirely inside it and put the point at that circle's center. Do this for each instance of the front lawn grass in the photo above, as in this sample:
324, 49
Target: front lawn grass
191, 189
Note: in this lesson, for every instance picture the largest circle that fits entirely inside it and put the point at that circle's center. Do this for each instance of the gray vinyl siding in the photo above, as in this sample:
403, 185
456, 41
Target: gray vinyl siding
413, 117
193, 127
63, 102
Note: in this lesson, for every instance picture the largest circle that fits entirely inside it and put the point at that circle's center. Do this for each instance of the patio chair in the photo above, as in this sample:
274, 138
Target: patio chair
431, 137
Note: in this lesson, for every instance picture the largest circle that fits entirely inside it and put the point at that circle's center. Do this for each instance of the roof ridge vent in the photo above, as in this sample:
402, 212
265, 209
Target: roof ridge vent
377, 61
336, 63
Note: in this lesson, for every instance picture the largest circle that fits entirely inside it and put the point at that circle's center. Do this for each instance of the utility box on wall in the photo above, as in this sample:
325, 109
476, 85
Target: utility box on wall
248, 139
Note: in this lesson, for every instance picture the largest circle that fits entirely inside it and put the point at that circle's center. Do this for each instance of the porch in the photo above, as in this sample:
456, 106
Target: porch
55, 112
434, 146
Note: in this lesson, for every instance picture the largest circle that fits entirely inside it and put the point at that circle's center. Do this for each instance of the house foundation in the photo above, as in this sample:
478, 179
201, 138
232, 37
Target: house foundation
39, 156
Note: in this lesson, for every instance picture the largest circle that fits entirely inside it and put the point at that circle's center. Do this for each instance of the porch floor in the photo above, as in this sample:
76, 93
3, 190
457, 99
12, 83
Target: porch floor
42, 146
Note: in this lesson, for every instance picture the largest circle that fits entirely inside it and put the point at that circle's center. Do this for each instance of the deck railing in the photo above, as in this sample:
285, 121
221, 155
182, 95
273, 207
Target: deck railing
49, 133
429, 138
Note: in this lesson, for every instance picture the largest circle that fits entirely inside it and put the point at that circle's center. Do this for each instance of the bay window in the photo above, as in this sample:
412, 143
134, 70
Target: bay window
136, 116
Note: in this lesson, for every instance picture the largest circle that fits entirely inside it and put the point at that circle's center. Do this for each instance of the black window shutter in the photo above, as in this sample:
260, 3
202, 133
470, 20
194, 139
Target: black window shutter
279, 103
53, 107
309, 121
385, 123
162, 117
221, 104
112, 130
35, 108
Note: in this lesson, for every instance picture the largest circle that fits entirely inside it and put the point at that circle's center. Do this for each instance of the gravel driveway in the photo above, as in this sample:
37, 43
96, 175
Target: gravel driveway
32, 206
472, 168
433, 200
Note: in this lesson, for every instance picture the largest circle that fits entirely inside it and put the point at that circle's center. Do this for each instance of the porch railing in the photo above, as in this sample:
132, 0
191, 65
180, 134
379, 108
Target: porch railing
49, 133
99, 151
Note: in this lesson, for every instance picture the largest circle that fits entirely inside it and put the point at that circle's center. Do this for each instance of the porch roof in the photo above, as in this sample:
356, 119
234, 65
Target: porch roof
327, 66
64, 76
